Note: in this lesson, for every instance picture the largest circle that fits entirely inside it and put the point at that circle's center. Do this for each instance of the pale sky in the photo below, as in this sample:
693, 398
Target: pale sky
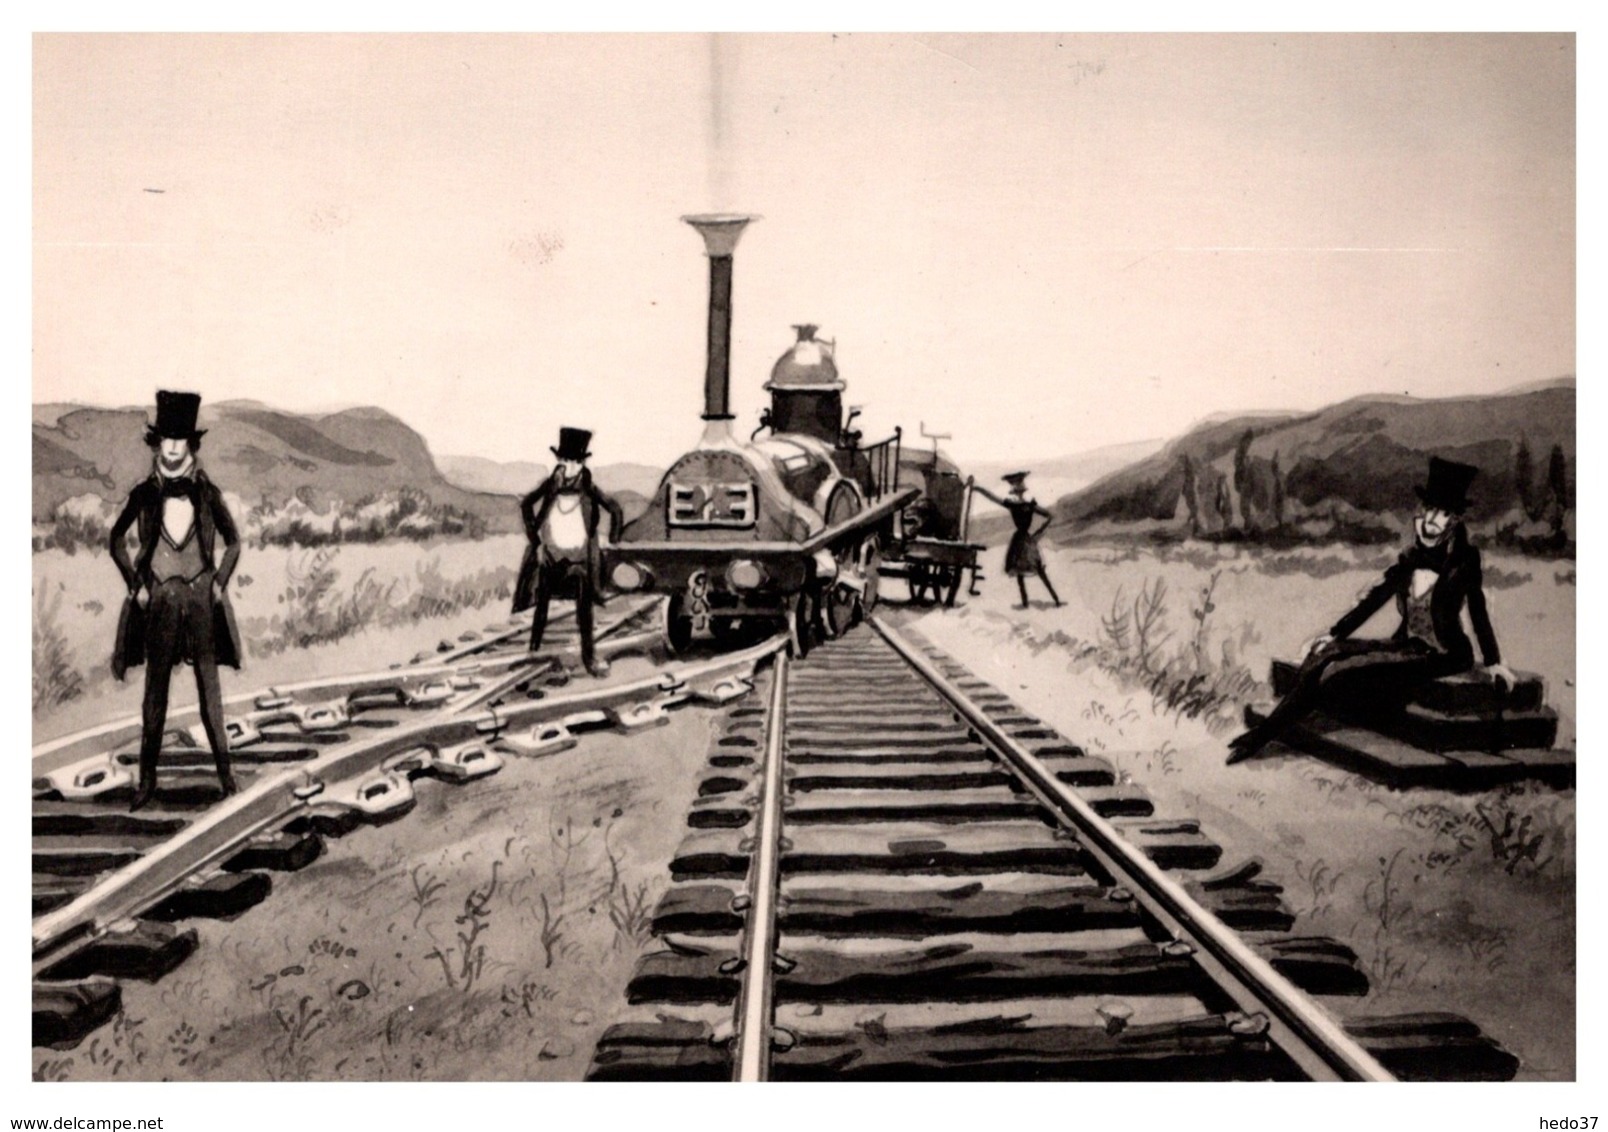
1040, 244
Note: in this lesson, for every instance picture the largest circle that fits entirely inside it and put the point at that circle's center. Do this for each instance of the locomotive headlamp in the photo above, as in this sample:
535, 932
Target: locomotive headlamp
628, 576
745, 574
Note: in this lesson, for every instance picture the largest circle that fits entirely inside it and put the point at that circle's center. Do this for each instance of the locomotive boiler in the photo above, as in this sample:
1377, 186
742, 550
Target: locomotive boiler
786, 528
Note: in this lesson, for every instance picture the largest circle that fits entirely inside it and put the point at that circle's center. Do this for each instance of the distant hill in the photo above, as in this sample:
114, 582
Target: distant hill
260, 454
476, 473
631, 484
1346, 469
1050, 479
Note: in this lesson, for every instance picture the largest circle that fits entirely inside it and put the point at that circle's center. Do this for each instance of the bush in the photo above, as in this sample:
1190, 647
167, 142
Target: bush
318, 609
1189, 678
55, 679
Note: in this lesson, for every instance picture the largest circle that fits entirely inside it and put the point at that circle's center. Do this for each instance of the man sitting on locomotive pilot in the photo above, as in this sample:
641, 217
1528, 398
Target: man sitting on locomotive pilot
1431, 582
1022, 556
561, 520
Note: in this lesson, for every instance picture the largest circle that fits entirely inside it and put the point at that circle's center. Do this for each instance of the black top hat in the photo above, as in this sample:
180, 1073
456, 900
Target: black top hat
1447, 489
1015, 478
572, 444
175, 415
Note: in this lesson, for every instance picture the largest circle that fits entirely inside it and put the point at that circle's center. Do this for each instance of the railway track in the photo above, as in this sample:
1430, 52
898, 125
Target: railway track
111, 888
892, 872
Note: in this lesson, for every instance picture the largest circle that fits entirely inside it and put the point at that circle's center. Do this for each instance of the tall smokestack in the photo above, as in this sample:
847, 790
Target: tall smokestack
721, 233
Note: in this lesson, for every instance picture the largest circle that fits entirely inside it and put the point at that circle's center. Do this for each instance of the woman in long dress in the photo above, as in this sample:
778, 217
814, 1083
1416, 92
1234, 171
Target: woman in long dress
1022, 556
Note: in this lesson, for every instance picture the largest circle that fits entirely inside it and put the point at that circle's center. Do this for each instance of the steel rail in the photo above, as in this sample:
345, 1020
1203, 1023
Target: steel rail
755, 1001
56, 753
605, 641
274, 800
1304, 1031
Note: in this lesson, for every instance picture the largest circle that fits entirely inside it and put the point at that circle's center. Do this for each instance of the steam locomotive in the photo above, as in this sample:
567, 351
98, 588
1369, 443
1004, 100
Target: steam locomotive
790, 527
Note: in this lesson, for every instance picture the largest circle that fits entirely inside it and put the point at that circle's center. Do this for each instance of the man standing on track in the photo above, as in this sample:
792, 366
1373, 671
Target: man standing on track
561, 520
177, 610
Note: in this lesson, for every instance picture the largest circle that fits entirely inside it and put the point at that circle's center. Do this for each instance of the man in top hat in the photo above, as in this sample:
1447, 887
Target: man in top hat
177, 611
1022, 557
1431, 582
561, 520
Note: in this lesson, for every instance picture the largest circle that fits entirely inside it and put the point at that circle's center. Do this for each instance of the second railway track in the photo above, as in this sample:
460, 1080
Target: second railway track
111, 887
892, 872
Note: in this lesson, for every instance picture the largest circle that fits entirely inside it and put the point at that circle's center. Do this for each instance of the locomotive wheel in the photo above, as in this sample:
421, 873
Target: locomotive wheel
800, 623
838, 611
677, 627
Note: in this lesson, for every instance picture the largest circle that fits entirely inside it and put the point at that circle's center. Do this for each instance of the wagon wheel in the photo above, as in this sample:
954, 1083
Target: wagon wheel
919, 578
870, 564
838, 610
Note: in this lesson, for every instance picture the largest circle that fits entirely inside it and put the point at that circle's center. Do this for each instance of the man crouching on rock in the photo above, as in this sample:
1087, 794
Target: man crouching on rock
177, 611
1432, 581
561, 520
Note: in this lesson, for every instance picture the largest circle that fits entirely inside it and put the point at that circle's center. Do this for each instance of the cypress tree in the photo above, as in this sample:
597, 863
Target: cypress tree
1559, 496
1278, 494
1524, 481
1188, 467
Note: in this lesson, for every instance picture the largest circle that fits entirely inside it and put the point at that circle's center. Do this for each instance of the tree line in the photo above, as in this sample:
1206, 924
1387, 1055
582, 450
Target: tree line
1252, 500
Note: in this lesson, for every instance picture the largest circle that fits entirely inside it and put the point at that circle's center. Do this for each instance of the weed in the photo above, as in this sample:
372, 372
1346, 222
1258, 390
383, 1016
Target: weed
1201, 615
628, 908
1512, 843
1381, 897
1254, 795
1388, 969
470, 953
1165, 759
183, 1045
286, 1058
552, 931
1097, 712
334, 948
1322, 881
1115, 627
1488, 949
523, 996
1188, 680
53, 1069
1329, 786
424, 891
631, 915
1443, 821
1149, 631
123, 1047
55, 679
554, 912
316, 609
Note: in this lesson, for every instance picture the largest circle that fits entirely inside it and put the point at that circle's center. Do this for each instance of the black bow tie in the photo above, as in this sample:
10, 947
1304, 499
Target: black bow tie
181, 488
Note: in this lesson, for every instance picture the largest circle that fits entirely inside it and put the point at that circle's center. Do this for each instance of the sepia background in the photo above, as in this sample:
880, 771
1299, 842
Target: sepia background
1041, 244
1058, 241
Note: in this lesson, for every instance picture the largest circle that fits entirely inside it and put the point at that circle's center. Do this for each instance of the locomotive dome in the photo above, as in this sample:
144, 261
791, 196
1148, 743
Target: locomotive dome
807, 364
